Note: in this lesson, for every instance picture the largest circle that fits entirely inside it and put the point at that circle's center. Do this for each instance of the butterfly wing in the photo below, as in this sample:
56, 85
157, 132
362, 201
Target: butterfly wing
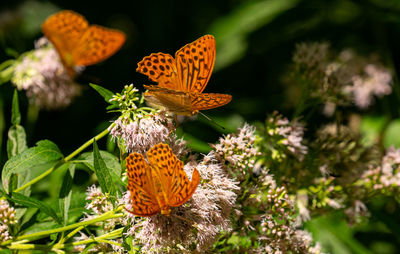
144, 201
178, 187
174, 101
64, 30
208, 100
160, 68
195, 62
97, 44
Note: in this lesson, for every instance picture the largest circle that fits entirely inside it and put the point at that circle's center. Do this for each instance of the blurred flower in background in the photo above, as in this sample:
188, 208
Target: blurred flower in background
339, 79
41, 74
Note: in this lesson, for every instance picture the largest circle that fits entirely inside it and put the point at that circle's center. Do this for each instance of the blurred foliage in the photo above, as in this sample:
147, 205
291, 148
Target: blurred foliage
255, 41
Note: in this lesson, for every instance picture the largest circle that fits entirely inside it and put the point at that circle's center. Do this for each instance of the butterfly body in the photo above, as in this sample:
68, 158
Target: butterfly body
77, 42
159, 184
181, 80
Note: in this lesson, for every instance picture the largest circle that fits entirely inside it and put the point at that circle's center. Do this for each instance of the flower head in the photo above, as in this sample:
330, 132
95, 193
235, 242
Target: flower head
139, 128
7, 218
375, 80
41, 74
284, 137
238, 149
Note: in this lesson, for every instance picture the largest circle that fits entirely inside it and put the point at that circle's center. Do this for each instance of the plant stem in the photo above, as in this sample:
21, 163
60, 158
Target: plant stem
66, 159
37, 235
57, 247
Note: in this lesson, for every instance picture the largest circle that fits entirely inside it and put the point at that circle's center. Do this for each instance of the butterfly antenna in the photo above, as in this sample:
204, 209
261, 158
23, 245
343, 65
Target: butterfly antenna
214, 122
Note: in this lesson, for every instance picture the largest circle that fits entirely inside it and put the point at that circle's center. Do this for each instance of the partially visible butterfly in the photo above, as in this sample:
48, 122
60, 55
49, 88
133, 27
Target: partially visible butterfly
159, 184
182, 80
77, 42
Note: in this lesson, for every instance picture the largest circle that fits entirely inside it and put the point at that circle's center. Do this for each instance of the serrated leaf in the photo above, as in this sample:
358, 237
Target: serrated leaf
102, 172
45, 152
31, 202
16, 142
66, 193
107, 94
109, 159
15, 114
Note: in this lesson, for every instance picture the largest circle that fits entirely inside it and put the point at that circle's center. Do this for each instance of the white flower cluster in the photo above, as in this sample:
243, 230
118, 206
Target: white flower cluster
285, 134
41, 74
144, 132
374, 81
239, 150
7, 218
385, 177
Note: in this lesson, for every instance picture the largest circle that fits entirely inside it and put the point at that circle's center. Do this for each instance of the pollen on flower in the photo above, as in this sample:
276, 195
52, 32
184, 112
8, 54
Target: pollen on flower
41, 74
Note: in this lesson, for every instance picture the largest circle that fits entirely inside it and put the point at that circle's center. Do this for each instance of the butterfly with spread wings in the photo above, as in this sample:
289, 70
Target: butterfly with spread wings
159, 184
182, 80
77, 42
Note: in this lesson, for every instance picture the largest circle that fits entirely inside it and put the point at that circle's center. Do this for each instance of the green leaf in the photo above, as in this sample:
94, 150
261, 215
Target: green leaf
109, 159
15, 114
335, 235
7, 70
31, 202
391, 136
16, 142
66, 193
102, 172
231, 31
45, 152
107, 94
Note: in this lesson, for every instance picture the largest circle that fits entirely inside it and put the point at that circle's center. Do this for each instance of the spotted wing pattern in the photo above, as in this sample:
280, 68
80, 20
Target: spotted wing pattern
143, 197
161, 68
97, 44
182, 80
64, 29
195, 62
209, 100
174, 180
77, 43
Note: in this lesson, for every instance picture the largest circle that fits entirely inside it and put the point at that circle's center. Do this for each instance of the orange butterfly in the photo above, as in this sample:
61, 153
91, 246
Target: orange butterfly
182, 80
160, 184
77, 42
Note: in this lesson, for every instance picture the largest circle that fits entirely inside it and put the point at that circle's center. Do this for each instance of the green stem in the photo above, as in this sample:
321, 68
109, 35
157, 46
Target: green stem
66, 159
57, 247
73, 232
37, 235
